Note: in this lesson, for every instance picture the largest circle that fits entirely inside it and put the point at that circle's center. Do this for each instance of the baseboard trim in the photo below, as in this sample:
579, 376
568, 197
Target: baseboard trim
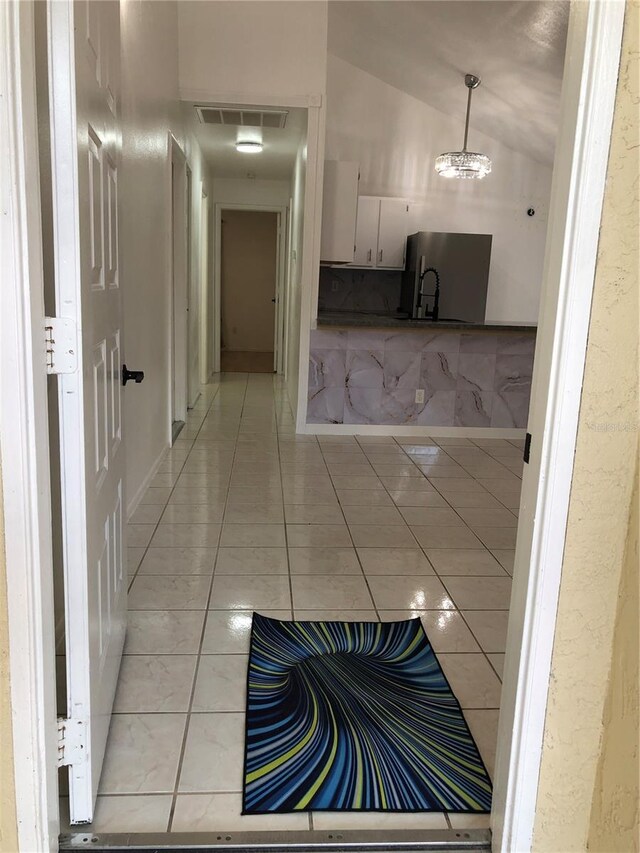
419, 431
133, 504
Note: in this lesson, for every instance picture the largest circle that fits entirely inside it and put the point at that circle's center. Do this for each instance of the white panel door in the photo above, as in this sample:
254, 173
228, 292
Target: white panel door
367, 231
392, 233
84, 62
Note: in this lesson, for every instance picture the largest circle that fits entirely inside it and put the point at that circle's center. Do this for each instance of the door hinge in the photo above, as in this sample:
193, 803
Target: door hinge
527, 448
72, 741
61, 341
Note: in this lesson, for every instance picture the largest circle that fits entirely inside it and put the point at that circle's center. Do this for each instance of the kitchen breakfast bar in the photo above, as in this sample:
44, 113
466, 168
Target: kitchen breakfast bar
386, 369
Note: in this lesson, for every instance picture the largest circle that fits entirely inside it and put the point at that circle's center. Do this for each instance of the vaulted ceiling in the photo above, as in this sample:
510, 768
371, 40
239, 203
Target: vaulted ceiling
425, 47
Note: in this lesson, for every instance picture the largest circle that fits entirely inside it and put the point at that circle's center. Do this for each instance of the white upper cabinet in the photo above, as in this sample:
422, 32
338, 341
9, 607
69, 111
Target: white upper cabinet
360, 231
392, 233
339, 210
381, 233
367, 231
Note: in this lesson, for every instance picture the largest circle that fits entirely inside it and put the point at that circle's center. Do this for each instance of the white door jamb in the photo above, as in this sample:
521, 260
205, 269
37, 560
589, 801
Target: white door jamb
24, 442
204, 287
588, 95
179, 322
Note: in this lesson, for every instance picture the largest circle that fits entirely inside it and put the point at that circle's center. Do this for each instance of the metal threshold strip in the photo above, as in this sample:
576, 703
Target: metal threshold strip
311, 841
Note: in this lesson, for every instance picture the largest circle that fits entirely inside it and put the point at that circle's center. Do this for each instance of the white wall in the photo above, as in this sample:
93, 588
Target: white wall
396, 139
239, 191
150, 111
255, 50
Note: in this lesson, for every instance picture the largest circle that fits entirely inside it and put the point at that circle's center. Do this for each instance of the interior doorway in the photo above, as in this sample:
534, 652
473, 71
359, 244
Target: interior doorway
249, 290
27, 563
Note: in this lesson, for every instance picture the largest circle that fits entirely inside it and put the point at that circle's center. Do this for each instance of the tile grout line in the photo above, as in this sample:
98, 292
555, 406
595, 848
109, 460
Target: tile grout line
172, 489
353, 544
185, 733
450, 506
286, 535
486, 654
440, 577
377, 611
459, 609
149, 544
388, 493
286, 543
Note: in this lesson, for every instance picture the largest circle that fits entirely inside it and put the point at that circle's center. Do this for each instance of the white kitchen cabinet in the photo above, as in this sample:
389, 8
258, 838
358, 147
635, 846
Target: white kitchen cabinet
367, 231
339, 210
381, 233
392, 233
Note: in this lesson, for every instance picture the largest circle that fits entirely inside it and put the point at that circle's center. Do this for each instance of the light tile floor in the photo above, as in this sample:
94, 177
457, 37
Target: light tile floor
244, 515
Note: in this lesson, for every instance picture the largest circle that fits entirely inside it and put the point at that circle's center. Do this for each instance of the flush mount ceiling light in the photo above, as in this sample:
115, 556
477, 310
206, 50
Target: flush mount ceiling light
464, 164
248, 147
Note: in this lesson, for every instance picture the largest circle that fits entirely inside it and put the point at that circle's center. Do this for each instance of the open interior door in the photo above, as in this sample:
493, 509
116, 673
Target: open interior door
84, 66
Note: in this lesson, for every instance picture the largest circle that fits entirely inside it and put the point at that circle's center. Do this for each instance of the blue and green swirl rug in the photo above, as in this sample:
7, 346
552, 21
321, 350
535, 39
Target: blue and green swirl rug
355, 716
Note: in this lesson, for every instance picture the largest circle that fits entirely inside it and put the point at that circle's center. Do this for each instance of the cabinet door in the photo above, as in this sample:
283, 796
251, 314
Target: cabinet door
367, 231
392, 233
339, 206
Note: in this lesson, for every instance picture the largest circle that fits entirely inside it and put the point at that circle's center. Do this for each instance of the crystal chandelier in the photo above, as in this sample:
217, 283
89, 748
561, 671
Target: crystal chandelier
464, 164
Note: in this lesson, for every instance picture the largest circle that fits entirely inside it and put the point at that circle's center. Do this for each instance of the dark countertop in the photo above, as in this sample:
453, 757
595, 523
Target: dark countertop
363, 320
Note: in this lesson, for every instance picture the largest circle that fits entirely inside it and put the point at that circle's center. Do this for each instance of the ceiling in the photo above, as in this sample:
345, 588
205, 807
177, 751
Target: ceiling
274, 162
424, 48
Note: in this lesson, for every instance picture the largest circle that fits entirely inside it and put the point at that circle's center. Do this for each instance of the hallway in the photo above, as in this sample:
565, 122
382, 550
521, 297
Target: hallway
244, 515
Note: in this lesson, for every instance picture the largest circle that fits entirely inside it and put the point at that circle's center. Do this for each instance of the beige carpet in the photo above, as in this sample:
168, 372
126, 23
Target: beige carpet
246, 362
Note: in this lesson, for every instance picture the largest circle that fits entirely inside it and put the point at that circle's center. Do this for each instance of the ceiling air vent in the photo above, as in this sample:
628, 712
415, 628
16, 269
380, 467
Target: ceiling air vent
241, 118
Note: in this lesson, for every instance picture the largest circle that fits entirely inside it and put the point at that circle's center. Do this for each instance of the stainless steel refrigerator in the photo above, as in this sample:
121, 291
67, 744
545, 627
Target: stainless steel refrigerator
462, 264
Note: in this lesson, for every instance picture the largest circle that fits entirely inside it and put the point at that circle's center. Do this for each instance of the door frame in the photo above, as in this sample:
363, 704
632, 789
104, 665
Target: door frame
25, 443
179, 267
589, 93
193, 302
280, 330
589, 86
206, 295
286, 306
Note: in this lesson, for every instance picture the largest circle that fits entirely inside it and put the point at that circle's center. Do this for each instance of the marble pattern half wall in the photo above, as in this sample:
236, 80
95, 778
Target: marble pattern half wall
469, 379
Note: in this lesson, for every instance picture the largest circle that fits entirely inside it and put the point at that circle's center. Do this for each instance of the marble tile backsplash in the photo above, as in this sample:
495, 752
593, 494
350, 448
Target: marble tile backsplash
370, 291
470, 379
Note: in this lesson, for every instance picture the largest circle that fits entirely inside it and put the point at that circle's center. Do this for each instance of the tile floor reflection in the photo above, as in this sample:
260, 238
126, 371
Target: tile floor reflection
244, 515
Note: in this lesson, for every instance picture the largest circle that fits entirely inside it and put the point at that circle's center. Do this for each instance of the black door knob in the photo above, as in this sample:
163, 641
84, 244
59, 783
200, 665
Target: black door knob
136, 375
